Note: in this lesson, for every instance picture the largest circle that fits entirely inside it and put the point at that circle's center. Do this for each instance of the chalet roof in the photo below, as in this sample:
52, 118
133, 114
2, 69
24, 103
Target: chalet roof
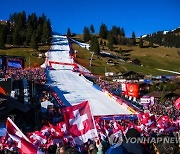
132, 72
12, 104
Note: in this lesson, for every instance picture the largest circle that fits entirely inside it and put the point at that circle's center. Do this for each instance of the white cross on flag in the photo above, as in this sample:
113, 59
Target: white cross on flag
79, 122
62, 127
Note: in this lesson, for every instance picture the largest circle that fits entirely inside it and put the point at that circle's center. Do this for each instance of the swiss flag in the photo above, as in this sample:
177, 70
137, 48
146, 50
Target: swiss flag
24, 145
79, 122
36, 137
147, 120
164, 124
177, 103
62, 127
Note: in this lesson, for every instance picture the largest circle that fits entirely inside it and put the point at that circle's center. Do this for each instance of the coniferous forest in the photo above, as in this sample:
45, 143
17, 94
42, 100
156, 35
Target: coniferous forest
170, 39
25, 31
116, 36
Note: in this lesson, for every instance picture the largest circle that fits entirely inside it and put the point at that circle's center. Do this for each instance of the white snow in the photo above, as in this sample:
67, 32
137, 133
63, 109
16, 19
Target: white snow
165, 32
83, 45
144, 36
168, 71
73, 88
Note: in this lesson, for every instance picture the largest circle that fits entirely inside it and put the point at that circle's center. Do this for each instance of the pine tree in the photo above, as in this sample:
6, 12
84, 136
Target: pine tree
28, 34
92, 29
34, 43
110, 41
86, 34
68, 32
94, 45
23, 19
45, 33
114, 30
123, 32
101, 42
49, 30
34, 21
16, 37
151, 43
2, 37
103, 31
39, 33
133, 38
141, 43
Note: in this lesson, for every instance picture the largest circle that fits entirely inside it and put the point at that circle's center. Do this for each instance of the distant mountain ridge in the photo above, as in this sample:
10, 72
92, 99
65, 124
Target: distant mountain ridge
167, 38
176, 30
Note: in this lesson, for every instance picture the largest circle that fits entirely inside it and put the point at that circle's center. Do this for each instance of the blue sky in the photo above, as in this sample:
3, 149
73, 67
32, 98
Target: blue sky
140, 16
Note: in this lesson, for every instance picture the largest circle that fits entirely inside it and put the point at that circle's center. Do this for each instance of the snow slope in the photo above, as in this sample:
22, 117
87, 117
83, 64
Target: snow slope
83, 45
73, 88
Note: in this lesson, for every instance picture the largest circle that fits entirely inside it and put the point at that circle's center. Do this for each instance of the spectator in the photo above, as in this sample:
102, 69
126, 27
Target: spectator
134, 148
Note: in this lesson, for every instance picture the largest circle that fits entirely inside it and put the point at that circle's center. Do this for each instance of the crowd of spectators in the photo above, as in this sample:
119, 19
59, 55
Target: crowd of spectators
107, 141
165, 107
111, 144
53, 113
113, 87
36, 74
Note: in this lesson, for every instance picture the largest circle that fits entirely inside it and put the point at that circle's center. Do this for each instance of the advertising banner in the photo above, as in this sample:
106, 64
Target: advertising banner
145, 100
132, 90
13, 63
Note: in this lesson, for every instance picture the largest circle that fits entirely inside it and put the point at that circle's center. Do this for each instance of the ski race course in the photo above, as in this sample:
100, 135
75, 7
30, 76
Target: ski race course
73, 88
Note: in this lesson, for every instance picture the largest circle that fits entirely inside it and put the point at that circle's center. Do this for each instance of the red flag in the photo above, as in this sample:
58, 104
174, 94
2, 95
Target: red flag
79, 122
24, 145
14, 130
62, 127
164, 124
177, 103
147, 120
27, 147
55, 132
37, 136
143, 118
116, 126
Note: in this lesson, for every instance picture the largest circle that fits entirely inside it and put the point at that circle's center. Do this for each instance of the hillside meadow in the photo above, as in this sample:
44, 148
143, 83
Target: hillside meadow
150, 59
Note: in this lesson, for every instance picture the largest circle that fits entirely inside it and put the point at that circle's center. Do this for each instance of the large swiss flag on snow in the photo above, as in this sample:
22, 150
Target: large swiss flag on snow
79, 122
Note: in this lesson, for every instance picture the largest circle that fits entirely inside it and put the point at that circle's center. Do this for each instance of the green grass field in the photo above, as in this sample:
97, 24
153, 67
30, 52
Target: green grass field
31, 56
150, 58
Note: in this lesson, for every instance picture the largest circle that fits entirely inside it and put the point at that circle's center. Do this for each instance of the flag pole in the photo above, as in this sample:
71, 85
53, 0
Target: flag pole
17, 129
93, 119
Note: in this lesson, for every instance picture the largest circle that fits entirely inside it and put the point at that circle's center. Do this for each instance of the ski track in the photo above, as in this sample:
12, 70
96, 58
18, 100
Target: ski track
73, 88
